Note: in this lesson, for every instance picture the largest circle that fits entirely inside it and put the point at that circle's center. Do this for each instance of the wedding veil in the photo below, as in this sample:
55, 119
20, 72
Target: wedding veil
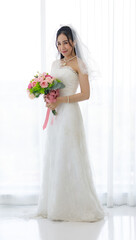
85, 59
87, 65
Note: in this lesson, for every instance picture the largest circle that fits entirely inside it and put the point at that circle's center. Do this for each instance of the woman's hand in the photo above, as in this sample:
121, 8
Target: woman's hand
53, 105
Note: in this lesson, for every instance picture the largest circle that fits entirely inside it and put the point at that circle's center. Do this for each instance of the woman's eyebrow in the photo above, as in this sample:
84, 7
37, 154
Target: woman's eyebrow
63, 41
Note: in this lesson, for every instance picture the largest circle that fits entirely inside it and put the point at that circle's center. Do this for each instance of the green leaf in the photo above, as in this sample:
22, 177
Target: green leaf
54, 112
57, 85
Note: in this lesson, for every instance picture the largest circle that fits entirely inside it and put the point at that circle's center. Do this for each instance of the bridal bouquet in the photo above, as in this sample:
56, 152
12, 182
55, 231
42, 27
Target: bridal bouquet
47, 85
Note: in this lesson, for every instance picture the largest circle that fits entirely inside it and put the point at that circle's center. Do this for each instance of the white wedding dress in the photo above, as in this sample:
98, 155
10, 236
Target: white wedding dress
67, 190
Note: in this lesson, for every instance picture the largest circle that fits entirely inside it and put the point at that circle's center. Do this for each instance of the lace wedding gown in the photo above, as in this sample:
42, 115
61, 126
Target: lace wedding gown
67, 191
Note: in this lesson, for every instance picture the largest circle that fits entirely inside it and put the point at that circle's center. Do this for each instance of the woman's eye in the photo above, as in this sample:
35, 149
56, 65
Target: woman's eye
58, 44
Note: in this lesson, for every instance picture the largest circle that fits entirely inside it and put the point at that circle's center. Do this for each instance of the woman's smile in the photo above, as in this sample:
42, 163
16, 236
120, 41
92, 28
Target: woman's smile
64, 51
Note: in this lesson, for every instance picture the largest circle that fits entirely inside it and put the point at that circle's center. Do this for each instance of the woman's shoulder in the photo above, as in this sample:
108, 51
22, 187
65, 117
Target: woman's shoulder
81, 66
54, 64
55, 61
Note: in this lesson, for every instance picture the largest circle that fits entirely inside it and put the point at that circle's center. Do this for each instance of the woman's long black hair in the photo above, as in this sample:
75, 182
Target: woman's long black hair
71, 35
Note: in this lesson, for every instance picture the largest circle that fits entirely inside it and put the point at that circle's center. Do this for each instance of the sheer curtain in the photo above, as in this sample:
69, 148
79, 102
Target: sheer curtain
108, 28
20, 58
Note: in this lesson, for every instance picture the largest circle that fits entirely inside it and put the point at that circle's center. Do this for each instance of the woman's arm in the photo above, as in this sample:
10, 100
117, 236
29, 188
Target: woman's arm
83, 95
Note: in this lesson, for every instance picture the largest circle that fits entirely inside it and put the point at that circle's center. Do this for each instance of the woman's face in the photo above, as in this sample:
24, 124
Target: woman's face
64, 47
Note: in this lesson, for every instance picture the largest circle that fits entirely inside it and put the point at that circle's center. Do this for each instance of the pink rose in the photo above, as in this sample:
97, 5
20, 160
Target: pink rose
51, 97
47, 75
38, 80
41, 79
55, 92
44, 84
30, 85
49, 79
34, 83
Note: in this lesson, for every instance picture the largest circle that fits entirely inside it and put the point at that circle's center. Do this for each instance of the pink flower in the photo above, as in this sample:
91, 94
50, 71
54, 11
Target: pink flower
47, 75
34, 83
49, 79
36, 79
40, 79
30, 85
51, 97
44, 84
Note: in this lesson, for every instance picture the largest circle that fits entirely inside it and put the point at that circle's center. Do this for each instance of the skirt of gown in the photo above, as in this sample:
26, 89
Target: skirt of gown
67, 190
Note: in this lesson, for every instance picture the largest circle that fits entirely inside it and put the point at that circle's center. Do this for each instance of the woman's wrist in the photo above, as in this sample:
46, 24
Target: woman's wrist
63, 99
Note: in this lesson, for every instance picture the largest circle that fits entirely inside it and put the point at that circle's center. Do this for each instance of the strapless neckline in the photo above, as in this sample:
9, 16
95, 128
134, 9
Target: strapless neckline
69, 67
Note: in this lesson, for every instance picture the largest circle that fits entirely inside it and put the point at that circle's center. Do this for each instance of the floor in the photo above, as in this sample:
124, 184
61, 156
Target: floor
119, 225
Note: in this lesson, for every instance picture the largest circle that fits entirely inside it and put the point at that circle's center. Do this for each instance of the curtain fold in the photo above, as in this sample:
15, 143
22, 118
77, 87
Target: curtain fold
108, 28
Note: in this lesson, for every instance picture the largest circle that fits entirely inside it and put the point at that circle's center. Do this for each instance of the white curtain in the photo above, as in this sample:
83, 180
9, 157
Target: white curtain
20, 59
108, 28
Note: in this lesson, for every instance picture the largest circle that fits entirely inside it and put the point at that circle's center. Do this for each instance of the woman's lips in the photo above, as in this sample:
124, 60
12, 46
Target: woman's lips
64, 51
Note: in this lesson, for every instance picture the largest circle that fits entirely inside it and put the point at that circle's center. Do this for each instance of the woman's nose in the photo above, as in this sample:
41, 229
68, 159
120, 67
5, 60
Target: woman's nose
62, 47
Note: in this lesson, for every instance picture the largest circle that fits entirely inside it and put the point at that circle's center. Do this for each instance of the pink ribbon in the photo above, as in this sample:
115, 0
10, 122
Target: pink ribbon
50, 97
46, 119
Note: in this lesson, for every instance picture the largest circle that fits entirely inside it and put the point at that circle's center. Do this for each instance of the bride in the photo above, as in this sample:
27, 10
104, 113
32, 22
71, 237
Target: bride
67, 190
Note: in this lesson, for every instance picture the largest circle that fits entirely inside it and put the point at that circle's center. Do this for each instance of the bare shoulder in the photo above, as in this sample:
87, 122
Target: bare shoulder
75, 64
80, 66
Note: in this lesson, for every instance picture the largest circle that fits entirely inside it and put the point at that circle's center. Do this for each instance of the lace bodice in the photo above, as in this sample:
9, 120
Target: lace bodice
67, 75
